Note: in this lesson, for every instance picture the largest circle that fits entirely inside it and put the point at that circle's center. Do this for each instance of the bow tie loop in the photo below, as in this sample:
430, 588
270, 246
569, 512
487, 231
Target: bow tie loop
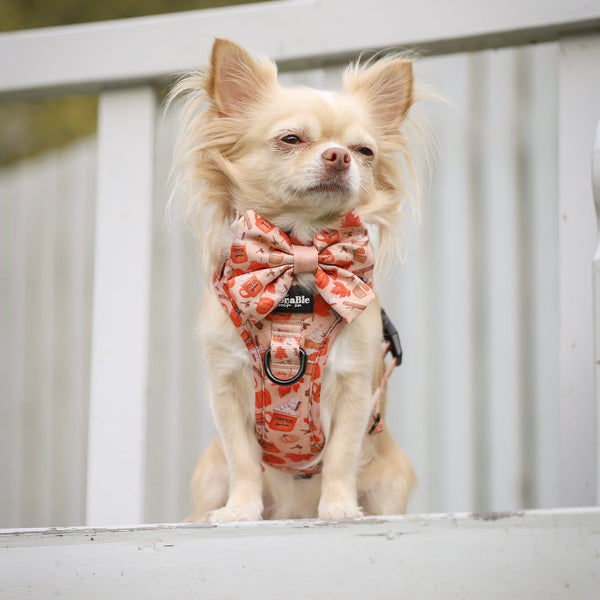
306, 259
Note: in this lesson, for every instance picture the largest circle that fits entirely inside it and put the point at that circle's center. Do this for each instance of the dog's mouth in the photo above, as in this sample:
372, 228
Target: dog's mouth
334, 184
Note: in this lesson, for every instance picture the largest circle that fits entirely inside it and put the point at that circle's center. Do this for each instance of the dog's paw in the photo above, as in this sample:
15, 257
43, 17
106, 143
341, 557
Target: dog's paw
339, 511
227, 514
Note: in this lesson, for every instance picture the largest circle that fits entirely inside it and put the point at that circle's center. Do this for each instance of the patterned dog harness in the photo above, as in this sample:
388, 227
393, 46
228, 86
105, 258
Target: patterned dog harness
288, 329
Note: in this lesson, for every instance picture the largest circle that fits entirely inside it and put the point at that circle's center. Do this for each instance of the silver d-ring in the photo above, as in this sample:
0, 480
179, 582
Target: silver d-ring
297, 377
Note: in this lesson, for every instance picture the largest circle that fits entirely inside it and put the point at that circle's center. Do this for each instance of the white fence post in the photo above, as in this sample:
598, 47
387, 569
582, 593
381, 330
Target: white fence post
596, 190
579, 108
116, 455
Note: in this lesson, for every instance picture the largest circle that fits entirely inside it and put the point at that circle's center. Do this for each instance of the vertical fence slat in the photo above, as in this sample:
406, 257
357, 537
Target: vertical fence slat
73, 251
596, 191
579, 106
64, 311
117, 420
162, 412
540, 138
478, 289
502, 300
12, 363
453, 401
168, 328
39, 326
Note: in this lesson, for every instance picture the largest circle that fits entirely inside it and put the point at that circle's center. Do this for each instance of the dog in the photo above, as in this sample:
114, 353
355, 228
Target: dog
278, 168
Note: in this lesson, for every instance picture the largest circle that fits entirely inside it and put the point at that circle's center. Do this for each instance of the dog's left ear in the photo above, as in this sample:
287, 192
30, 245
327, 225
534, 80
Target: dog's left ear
236, 80
386, 87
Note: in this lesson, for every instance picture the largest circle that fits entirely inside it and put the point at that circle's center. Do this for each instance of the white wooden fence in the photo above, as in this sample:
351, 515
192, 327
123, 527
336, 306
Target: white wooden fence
496, 400
46, 230
440, 399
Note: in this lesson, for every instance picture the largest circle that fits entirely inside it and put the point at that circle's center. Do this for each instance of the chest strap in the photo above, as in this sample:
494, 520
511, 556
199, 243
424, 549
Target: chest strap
289, 353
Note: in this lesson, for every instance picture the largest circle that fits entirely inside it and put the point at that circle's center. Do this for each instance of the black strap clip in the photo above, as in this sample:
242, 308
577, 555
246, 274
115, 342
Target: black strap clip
390, 334
376, 421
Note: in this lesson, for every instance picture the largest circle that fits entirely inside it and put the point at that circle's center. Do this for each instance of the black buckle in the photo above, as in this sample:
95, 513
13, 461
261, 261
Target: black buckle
376, 421
390, 334
297, 377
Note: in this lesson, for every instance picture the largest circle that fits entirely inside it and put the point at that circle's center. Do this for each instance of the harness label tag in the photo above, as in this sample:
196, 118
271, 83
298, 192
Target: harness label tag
298, 300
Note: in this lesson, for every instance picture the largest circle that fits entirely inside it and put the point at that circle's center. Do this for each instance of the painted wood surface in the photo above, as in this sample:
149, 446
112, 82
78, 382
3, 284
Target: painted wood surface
579, 95
596, 190
497, 556
121, 320
133, 51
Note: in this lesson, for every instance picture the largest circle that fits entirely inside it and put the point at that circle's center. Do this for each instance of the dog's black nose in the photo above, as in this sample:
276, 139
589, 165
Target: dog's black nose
336, 158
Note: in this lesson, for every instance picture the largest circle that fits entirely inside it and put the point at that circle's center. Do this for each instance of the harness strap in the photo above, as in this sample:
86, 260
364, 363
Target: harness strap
288, 415
287, 412
294, 348
286, 342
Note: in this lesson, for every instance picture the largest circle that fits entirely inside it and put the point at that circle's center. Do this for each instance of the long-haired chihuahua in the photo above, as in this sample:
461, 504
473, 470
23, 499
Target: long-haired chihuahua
285, 185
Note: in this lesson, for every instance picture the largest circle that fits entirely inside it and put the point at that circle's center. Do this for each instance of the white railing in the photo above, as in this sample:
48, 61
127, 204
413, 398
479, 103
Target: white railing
125, 61
101, 55
545, 554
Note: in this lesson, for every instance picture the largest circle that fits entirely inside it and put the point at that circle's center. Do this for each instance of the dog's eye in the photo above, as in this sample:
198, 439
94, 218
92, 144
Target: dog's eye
291, 139
366, 151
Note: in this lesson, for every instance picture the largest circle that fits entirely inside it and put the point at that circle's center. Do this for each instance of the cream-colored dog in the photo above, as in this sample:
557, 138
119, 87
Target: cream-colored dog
258, 146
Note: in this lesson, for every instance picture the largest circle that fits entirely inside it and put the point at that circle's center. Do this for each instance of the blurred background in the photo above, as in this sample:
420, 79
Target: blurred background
28, 128
475, 403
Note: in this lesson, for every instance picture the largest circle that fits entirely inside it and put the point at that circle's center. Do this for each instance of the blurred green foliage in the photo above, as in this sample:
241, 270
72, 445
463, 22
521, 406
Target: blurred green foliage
27, 128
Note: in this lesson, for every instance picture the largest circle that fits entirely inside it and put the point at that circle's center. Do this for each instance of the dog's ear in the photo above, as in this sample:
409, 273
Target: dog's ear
236, 80
386, 87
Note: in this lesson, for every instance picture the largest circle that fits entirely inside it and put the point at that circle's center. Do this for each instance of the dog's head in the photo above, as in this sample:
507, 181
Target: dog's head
299, 157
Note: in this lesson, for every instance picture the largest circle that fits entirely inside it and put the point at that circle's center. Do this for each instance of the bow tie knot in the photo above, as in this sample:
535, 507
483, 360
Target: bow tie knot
306, 259
263, 262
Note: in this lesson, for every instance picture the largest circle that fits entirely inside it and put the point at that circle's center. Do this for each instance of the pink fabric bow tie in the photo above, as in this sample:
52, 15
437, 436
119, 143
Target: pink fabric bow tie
263, 261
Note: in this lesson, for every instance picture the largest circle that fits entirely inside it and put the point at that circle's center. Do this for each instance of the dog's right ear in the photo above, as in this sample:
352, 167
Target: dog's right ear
236, 80
386, 87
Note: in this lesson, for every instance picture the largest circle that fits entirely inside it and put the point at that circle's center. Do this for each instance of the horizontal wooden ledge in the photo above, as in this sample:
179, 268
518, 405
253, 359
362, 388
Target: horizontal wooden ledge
406, 523
530, 554
297, 33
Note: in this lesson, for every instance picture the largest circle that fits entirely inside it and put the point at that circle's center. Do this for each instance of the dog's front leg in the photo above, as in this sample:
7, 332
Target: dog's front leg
232, 401
341, 458
346, 408
243, 454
